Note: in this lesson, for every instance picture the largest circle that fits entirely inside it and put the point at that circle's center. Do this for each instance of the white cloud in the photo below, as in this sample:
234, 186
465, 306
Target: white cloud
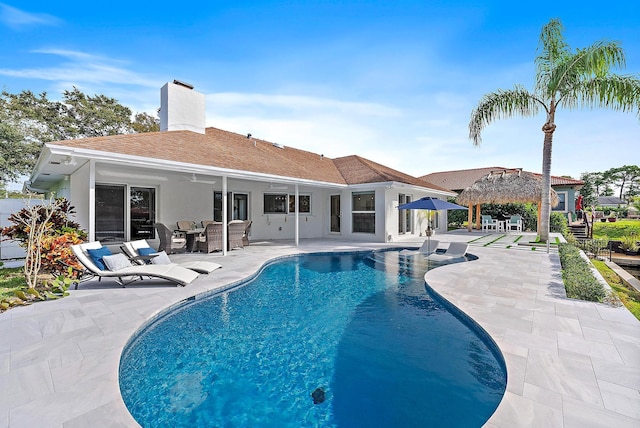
17, 19
83, 68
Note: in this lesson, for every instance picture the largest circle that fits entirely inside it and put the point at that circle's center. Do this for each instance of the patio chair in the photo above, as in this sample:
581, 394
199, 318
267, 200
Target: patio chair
141, 247
212, 238
247, 229
99, 262
456, 250
207, 222
515, 221
186, 224
489, 223
170, 243
236, 230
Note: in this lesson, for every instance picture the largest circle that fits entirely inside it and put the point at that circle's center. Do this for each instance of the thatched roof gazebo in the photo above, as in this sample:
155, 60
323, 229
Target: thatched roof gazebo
504, 187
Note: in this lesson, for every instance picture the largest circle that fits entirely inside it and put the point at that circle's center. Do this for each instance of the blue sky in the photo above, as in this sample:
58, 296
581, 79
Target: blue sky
393, 81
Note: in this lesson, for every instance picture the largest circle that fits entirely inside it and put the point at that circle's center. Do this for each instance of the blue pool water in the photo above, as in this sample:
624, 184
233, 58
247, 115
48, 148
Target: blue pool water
360, 326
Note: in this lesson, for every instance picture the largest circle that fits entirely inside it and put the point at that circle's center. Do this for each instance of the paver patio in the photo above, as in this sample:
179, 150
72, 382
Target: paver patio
569, 363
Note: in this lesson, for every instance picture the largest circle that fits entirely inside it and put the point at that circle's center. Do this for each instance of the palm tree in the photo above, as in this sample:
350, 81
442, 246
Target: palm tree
563, 79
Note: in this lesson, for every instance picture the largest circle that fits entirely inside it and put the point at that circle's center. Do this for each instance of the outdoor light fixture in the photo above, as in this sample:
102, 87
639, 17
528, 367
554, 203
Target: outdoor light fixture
69, 160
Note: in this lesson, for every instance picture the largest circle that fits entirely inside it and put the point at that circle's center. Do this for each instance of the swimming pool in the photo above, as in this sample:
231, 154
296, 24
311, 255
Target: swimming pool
327, 340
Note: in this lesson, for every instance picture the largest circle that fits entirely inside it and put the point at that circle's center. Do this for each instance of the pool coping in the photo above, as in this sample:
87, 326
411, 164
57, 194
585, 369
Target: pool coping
59, 360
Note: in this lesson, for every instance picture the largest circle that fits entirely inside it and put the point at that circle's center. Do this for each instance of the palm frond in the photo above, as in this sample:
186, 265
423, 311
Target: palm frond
596, 60
552, 49
621, 93
502, 104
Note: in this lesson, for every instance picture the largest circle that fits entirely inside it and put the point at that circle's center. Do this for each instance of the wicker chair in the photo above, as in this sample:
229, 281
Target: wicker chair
170, 243
236, 232
186, 224
247, 229
212, 238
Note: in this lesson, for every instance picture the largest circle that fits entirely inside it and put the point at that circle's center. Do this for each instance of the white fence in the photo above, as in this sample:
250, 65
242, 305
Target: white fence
10, 249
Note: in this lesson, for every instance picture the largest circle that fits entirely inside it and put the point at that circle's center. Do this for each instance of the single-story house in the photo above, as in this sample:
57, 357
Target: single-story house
611, 201
456, 181
121, 185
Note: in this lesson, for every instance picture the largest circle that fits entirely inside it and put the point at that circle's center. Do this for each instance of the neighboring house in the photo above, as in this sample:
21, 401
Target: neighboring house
120, 185
611, 201
457, 181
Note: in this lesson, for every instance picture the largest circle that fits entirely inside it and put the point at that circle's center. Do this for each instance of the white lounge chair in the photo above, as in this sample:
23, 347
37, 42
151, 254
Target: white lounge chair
119, 267
142, 248
428, 246
455, 250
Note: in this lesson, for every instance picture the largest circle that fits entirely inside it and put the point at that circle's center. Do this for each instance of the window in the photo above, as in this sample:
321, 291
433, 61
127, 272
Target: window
562, 205
237, 206
113, 208
275, 203
142, 212
110, 212
303, 200
404, 216
363, 207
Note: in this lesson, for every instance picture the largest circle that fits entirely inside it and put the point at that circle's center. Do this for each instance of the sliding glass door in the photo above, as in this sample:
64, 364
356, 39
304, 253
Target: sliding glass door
117, 205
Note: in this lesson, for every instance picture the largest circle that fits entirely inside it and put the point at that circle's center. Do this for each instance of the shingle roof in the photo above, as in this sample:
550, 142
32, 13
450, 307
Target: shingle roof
229, 150
461, 179
358, 170
610, 200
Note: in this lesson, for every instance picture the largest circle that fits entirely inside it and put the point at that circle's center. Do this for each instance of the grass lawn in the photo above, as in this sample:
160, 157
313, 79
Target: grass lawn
616, 230
629, 296
11, 279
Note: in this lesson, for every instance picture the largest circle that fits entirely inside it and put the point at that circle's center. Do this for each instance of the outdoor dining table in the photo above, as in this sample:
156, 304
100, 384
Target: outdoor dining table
191, 235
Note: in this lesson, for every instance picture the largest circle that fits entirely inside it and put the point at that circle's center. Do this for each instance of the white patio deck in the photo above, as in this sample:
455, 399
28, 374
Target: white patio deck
569, 363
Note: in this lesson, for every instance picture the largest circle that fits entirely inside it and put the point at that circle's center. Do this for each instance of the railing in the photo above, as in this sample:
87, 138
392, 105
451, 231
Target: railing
596, 248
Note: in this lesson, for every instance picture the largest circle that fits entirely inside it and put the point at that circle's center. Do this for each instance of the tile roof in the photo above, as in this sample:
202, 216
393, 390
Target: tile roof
223, 149
460, 179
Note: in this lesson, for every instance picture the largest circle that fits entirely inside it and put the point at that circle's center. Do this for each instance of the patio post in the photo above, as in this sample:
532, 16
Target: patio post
470, 217
478, 217
297, 232
225, 220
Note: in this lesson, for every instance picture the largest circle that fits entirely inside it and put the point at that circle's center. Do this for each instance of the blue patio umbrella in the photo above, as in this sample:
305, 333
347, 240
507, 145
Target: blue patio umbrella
430, 204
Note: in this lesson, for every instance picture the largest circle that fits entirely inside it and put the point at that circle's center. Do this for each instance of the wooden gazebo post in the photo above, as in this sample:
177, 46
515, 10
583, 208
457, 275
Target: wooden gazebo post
539, 215
478, 217
470, 218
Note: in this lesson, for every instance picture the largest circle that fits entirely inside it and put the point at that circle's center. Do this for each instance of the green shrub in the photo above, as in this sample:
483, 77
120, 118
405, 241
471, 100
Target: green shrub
578, 278
558, 223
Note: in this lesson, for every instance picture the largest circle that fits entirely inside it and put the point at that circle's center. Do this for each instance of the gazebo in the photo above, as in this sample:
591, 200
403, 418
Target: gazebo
504, 187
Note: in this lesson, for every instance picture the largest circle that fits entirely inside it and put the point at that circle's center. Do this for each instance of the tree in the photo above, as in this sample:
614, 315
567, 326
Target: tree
144, 122
625, 177
595, 184
95, 116
28, 120
563, 79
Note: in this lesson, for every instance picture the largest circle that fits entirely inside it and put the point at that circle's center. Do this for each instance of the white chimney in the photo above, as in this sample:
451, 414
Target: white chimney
181, 108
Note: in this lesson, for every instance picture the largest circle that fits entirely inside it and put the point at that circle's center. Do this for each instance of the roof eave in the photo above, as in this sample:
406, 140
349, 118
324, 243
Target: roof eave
150, 163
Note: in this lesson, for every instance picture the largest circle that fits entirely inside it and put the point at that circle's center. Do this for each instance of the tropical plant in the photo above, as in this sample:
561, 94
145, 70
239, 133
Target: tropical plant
563, 79
45, 231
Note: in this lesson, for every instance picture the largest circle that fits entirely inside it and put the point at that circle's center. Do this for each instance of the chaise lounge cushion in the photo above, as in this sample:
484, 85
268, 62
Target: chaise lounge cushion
116, 262
145, 251
96, 255
162, 259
